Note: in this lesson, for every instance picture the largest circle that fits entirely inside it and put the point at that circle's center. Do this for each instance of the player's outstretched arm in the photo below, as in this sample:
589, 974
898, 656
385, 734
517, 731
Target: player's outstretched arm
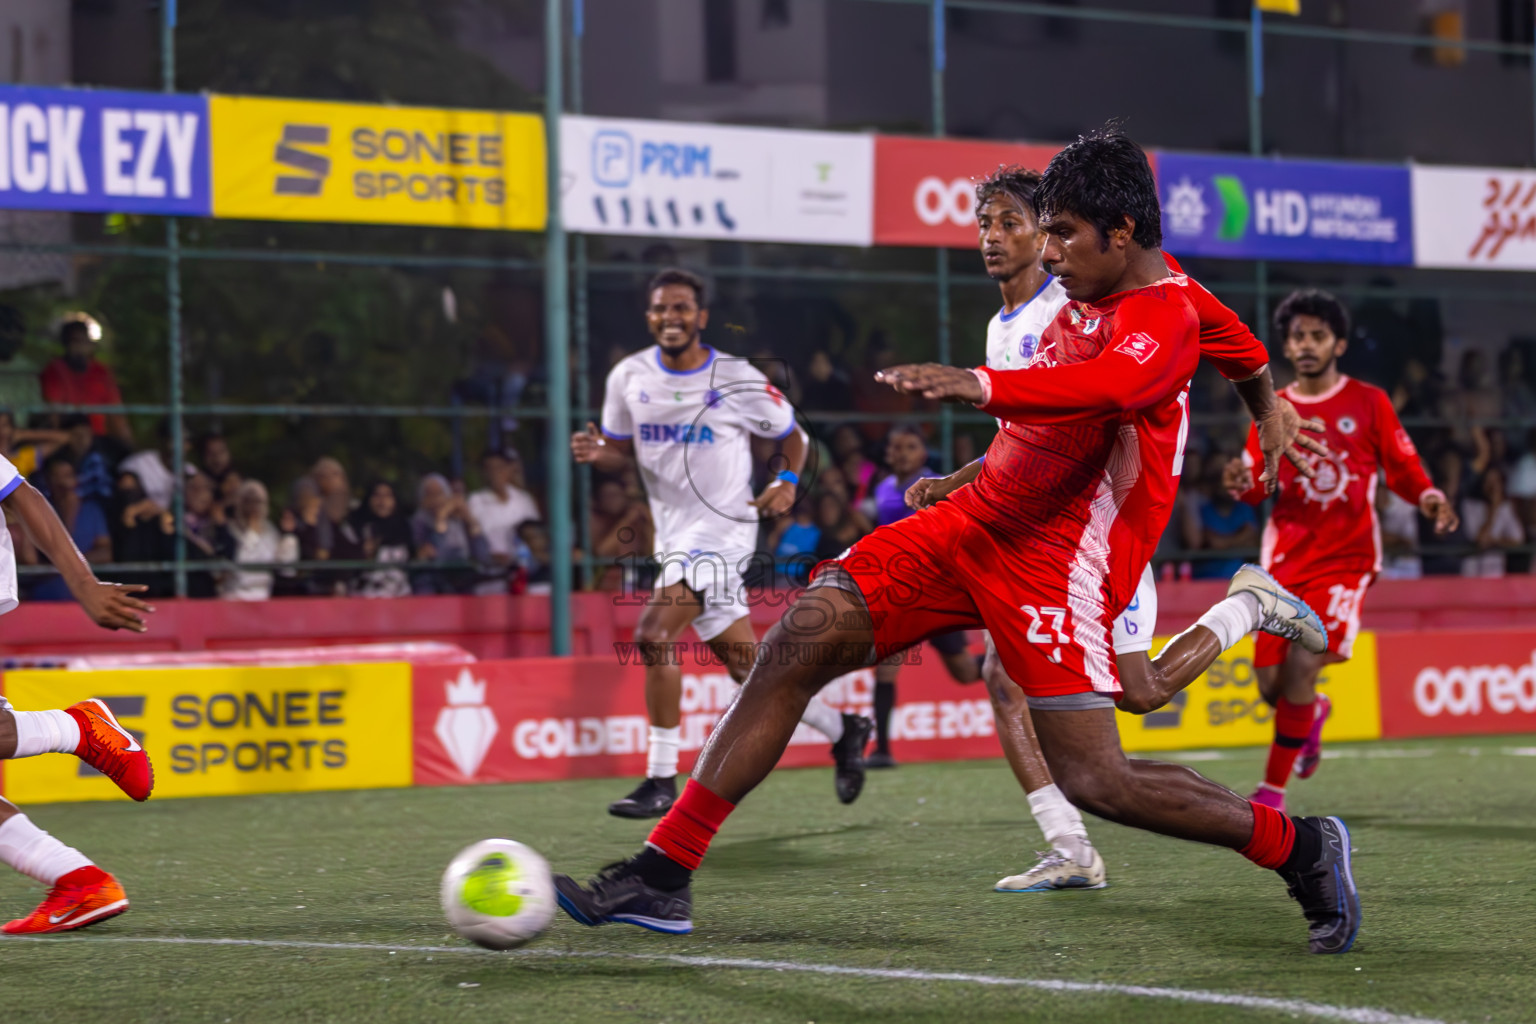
1280, 428
779, 496
930, 490
606, 454
110, 605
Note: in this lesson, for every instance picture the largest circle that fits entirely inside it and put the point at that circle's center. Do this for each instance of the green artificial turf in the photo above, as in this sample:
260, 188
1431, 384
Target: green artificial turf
1445, 841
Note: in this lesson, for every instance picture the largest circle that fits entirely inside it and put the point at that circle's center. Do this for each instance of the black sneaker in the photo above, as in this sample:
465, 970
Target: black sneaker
848, 752
1326, 891
619, 894
651, 799
879, 759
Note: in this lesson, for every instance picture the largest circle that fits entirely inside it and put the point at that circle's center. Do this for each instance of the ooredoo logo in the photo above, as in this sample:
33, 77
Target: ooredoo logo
1461, 690
937, 201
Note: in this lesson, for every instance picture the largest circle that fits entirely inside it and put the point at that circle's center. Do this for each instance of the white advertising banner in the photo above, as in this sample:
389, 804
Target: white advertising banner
1474, 218
623, 177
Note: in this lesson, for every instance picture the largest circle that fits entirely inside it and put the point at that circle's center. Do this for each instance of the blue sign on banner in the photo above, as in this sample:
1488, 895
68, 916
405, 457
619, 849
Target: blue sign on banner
89, 151
1245, 208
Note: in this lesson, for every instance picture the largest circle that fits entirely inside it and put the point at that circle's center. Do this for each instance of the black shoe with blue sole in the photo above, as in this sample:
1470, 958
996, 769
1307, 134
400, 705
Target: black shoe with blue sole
619, 895
1326, 891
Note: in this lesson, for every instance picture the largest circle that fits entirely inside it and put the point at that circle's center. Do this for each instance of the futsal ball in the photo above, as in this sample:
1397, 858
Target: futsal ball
498, 894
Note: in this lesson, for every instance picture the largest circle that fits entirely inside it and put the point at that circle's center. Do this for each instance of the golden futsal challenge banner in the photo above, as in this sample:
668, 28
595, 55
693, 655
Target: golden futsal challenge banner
222, 731
1223, 707
301, 160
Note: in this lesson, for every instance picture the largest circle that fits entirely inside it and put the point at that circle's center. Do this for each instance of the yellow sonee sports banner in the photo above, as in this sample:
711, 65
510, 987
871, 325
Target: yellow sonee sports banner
302, 160
1223, 707
221, 731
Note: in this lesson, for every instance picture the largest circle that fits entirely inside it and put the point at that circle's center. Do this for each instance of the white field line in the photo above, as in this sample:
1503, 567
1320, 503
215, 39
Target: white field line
1289, 1007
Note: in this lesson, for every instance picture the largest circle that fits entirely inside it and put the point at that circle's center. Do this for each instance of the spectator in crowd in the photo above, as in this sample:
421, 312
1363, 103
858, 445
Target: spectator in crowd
386, 535
27, 449
1475, 399
840, 524
153, 467
83, 517
1522, 483
1184, 532
1226, 524
250, 538
1419, 391
141, 532
826, 387
500, 507
214, 458
305, 520
78, 378
203, 520
1438, 552
622, 537
535, 556
1491, 525
346, 545
92, 479
792, 542
1399, 536
444, 532
870, 396
1518, 400
19, 384
858, 470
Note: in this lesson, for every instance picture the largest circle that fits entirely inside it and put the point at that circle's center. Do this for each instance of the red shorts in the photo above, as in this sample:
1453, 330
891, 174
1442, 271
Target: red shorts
940, 570
1337, 600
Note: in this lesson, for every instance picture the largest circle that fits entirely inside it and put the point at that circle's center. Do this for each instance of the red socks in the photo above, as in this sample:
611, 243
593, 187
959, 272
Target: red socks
684, 833
1293, 724
1273, 837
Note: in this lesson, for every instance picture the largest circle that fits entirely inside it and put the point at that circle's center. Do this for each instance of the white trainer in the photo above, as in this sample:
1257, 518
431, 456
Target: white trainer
1057, 871
1281, 613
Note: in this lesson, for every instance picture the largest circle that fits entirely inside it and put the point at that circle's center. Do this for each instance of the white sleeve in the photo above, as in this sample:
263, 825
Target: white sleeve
1134, 626
10, 478
767, 413
617, 422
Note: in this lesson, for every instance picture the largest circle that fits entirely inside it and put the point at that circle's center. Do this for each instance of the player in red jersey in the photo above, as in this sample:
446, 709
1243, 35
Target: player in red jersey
1322, 540
1043, 550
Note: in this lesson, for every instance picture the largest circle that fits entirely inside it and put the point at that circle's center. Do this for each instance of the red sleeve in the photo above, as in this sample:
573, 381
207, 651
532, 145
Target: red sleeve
1253, 458
1225, 341
1152, 353
110, 392
51, 380
1399, 458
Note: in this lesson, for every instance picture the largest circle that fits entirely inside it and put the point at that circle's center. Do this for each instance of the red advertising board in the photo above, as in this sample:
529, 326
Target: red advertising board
542, 719
925, 190
1452, 682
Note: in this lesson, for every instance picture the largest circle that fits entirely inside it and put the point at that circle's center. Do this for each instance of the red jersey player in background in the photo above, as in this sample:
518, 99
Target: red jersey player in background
1323, 541
1044, 550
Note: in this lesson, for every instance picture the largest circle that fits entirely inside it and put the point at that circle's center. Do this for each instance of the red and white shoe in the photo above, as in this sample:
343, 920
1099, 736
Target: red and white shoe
1312, 751
111, 749
1269, 796
82, 897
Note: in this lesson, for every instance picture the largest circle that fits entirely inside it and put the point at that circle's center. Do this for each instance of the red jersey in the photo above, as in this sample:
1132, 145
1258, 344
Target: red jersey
61, 383
1327, 526
1086, 464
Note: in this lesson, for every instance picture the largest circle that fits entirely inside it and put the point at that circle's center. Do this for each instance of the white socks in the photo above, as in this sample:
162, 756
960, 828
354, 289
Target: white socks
45, 732
1057, 818
35, 853
661, 757
1232, 619
824, 719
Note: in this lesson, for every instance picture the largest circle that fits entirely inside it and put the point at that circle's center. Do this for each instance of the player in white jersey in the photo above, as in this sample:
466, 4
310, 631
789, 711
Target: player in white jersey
687, 414
80, 893
1011, 246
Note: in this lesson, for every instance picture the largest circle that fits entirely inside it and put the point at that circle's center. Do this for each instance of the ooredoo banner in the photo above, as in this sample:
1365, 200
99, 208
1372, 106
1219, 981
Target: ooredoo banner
1474, 218
925, 189
1245, 208
562, 718
626, 177
222, 731
304, 160
1452, 682
89, 151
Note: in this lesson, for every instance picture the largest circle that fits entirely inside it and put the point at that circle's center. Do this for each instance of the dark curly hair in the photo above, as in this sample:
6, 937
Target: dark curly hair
1312, 302
1010, 180
1104, 178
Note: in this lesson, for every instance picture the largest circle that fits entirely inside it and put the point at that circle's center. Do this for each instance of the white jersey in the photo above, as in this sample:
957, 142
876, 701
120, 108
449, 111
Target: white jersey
692, 433
1013, 337
10, 479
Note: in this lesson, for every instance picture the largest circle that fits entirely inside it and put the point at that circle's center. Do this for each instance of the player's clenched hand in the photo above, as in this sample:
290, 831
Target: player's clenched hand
587, 445
113, 606
1434, 506
1281, 433
933, 381
1237, 477
929, 491
776, 499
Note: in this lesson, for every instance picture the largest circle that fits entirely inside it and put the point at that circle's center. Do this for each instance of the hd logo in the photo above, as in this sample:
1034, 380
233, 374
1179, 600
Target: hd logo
315, 167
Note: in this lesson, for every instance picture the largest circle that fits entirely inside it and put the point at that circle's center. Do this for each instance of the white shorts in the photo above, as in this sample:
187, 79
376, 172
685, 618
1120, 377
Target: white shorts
1134, 626
716, 578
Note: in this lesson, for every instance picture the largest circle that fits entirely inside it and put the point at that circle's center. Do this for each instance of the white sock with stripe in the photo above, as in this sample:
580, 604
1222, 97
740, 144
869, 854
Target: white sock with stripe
661, 753
35, 853
824, 719
45, 732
